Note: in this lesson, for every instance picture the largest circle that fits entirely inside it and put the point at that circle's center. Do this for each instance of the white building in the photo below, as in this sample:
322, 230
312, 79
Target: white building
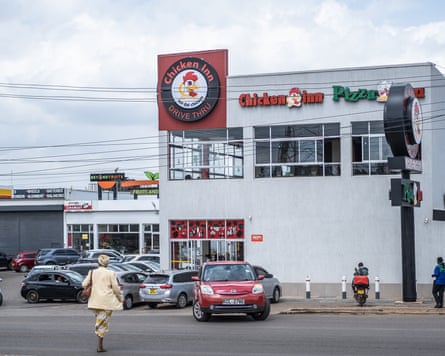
297, 179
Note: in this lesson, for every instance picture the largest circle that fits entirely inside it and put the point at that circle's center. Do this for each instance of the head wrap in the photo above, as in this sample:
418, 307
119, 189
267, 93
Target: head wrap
103, 260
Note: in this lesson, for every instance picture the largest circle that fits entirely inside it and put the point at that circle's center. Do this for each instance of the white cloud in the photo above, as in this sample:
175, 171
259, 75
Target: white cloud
105, 43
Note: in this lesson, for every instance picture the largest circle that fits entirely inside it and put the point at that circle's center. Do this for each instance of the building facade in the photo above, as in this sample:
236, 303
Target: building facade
295, 177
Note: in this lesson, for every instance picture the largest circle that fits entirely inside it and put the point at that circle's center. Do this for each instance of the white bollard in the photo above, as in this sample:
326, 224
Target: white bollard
308, 288
377, 288
343, 287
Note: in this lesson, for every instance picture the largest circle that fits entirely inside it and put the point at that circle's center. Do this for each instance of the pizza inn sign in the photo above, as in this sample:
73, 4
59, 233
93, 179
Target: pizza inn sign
297, 98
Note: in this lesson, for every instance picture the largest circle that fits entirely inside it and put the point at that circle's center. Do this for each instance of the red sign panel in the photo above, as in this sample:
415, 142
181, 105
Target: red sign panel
178, 229
197, 229
256, 238
216, 229
235, 229
192, 90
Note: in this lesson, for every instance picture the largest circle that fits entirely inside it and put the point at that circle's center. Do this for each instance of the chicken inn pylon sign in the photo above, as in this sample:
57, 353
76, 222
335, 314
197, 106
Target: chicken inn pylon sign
403, 121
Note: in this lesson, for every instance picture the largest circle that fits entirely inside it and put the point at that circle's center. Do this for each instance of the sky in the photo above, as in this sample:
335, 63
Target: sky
78, 77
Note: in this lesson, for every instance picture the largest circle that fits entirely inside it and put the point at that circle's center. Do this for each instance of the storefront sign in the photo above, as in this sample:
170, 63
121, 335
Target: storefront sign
78, 205
106, 177
256, 238
49, 193
403, 121
380, 95
295, 98
207, 229
5, 193
192, 87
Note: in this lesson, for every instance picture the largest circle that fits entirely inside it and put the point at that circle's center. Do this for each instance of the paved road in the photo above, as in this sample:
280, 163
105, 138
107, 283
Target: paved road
54, 329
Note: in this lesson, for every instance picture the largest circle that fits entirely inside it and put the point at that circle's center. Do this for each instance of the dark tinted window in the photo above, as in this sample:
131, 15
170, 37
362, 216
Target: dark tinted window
184, 277
157, 279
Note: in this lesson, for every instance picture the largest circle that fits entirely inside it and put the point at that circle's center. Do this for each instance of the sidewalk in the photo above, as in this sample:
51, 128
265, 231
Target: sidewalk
295, 305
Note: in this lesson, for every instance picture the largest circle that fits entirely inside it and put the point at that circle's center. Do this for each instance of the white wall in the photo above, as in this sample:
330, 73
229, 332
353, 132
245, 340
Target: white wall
317, 226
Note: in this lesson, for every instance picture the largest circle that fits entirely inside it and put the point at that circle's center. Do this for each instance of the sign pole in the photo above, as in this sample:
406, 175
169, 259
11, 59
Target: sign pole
408, 250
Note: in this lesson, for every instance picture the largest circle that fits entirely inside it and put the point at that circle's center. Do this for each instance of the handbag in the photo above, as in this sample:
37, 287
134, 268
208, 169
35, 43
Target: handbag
87, 290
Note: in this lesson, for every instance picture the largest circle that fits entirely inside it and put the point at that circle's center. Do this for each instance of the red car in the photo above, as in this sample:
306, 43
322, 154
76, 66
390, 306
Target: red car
24, 261
229, 287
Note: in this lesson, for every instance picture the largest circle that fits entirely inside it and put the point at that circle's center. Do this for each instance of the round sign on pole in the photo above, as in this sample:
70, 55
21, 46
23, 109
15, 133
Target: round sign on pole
402, 119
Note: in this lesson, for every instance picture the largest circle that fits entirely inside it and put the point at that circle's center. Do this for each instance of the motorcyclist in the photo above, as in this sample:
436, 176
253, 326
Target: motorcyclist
360, 270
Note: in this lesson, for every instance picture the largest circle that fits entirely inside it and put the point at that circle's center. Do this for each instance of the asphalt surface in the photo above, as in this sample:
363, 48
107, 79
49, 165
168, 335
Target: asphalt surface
288, 304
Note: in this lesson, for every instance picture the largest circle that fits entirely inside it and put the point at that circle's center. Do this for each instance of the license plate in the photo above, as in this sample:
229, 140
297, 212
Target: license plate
361, 291
153, 290
233, 301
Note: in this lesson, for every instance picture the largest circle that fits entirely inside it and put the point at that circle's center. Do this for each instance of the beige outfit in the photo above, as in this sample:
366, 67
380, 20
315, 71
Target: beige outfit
105, 294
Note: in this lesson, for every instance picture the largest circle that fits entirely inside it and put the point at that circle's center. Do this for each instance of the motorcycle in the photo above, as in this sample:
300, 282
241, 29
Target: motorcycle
1, 294
360, 286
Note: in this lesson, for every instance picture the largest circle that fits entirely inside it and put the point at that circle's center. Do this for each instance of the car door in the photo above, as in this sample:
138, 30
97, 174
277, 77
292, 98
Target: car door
63, 288
44, 284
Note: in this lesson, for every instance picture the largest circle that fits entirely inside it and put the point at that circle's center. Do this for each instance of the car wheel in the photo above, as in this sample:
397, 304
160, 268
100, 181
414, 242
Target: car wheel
276, 295
264, 314
32, 296
198, 313
128, 302
182, 301
152, 305
80, 298
24, 268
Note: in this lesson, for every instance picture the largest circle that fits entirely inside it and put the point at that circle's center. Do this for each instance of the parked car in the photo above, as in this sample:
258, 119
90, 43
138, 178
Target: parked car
41, 268
175, 287
56, 256
82, 268
53, 284
129, 283
5, 260
271, 284
229, 287
143, 265
154, 257
93, 255
24, 261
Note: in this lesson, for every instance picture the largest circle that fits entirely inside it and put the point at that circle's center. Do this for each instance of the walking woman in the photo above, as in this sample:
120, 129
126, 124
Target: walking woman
105, 297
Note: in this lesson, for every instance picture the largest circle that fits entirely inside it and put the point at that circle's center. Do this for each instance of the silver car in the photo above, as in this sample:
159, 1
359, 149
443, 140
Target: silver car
271, 284
129, 283
175, 287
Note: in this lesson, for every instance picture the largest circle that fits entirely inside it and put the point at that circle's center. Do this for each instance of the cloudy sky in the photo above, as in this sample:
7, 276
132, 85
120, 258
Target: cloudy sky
78, 77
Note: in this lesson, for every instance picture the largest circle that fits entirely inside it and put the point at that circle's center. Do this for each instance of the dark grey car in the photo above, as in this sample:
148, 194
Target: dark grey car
175, 287
56, 256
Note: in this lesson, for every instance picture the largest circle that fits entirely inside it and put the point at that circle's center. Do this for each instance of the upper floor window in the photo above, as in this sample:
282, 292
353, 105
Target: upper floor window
297, 150
206, 154
370, 151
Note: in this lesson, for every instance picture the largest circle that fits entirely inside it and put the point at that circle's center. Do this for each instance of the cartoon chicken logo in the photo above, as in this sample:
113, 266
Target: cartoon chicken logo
187, 88
294, 98
383, 91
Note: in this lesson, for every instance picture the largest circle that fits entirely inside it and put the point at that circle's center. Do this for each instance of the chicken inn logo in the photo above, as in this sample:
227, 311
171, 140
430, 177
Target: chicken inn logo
295, 99
190, 89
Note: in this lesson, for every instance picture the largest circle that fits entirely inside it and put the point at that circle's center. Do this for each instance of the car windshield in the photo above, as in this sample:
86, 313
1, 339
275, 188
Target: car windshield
229, 272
